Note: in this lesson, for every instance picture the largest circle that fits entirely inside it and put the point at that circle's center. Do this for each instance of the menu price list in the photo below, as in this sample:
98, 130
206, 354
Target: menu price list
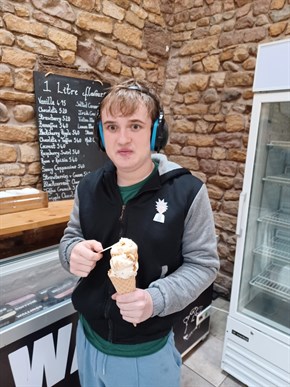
66, 109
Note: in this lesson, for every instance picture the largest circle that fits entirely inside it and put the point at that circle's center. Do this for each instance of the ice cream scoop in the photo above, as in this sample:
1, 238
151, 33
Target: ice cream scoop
123, 266
125, 246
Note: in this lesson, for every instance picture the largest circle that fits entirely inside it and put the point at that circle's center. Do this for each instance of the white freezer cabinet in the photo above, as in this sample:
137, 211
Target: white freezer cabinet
256, 348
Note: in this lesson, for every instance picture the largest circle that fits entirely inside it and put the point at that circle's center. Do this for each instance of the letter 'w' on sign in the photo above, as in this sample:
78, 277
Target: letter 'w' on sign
46, 360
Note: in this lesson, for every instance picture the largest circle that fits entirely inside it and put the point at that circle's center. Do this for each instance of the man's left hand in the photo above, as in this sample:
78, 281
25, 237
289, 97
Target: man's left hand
136, 306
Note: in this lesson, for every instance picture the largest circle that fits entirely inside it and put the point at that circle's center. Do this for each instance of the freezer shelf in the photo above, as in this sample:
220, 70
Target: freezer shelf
279, 179
278, 218
274, 279
279, 249
280, 144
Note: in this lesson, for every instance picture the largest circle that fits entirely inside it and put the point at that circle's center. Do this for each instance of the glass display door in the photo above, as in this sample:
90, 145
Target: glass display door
264, 292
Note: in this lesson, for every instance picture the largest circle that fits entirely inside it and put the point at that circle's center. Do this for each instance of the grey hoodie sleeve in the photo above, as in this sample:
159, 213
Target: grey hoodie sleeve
201, 263
72, 235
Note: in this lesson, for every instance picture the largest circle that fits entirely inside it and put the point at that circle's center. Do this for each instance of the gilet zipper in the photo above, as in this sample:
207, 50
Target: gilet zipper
122, 213
109, 301
121, 218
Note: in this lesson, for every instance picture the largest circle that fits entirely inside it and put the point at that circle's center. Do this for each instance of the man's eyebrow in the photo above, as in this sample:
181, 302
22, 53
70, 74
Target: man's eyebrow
133, 120
109, 122
137, 120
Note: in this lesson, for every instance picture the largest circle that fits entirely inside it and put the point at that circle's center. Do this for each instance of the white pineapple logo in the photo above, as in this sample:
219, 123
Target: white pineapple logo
161, 207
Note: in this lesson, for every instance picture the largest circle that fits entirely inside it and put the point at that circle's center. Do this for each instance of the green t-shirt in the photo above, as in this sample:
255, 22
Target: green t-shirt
125, 350
131, 191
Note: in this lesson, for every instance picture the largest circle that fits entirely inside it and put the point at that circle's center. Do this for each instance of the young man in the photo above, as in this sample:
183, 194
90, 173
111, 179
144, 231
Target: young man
127, 340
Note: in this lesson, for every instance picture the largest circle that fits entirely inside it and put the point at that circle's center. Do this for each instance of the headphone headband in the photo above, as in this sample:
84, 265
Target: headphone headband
142, 90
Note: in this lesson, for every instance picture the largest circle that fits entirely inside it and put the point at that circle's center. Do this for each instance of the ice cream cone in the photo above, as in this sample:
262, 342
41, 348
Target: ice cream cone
124, 266
123, 285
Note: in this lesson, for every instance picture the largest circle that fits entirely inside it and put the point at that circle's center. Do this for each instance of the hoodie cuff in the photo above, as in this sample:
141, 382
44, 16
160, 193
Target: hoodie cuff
158, 301
69, 247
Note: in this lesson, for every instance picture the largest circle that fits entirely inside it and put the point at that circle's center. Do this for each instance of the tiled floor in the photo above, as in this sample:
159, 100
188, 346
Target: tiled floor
202, 366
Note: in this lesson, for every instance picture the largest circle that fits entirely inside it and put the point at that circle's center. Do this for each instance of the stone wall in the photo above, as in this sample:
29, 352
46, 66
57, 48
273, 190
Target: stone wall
200, 54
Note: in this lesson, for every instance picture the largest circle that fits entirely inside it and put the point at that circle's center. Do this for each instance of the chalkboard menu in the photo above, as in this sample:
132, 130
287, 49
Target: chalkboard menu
66, 109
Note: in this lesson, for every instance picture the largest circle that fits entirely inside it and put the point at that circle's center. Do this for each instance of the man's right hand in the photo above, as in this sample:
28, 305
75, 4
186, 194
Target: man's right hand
84, 257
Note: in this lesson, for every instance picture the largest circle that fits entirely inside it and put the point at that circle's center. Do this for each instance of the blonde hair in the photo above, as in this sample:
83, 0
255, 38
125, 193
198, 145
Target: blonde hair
127, 96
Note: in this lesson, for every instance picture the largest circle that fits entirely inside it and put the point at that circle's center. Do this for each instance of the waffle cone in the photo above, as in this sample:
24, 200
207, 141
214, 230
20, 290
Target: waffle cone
123, 285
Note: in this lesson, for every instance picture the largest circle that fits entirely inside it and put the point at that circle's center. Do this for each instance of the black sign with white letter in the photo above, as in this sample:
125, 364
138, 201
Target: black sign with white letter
44, 358
66, 109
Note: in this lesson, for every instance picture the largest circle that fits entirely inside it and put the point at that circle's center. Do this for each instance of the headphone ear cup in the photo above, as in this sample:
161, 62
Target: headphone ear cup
164, 134
101, 136
159, 135
154, 135
98, 132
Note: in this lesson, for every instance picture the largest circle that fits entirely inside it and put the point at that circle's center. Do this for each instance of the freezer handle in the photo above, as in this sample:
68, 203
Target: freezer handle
240, 213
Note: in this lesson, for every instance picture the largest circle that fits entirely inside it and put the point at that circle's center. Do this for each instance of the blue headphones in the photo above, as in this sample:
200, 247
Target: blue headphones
159, 130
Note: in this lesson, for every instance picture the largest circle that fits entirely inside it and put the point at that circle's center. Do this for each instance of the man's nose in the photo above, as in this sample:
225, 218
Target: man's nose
124, 135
